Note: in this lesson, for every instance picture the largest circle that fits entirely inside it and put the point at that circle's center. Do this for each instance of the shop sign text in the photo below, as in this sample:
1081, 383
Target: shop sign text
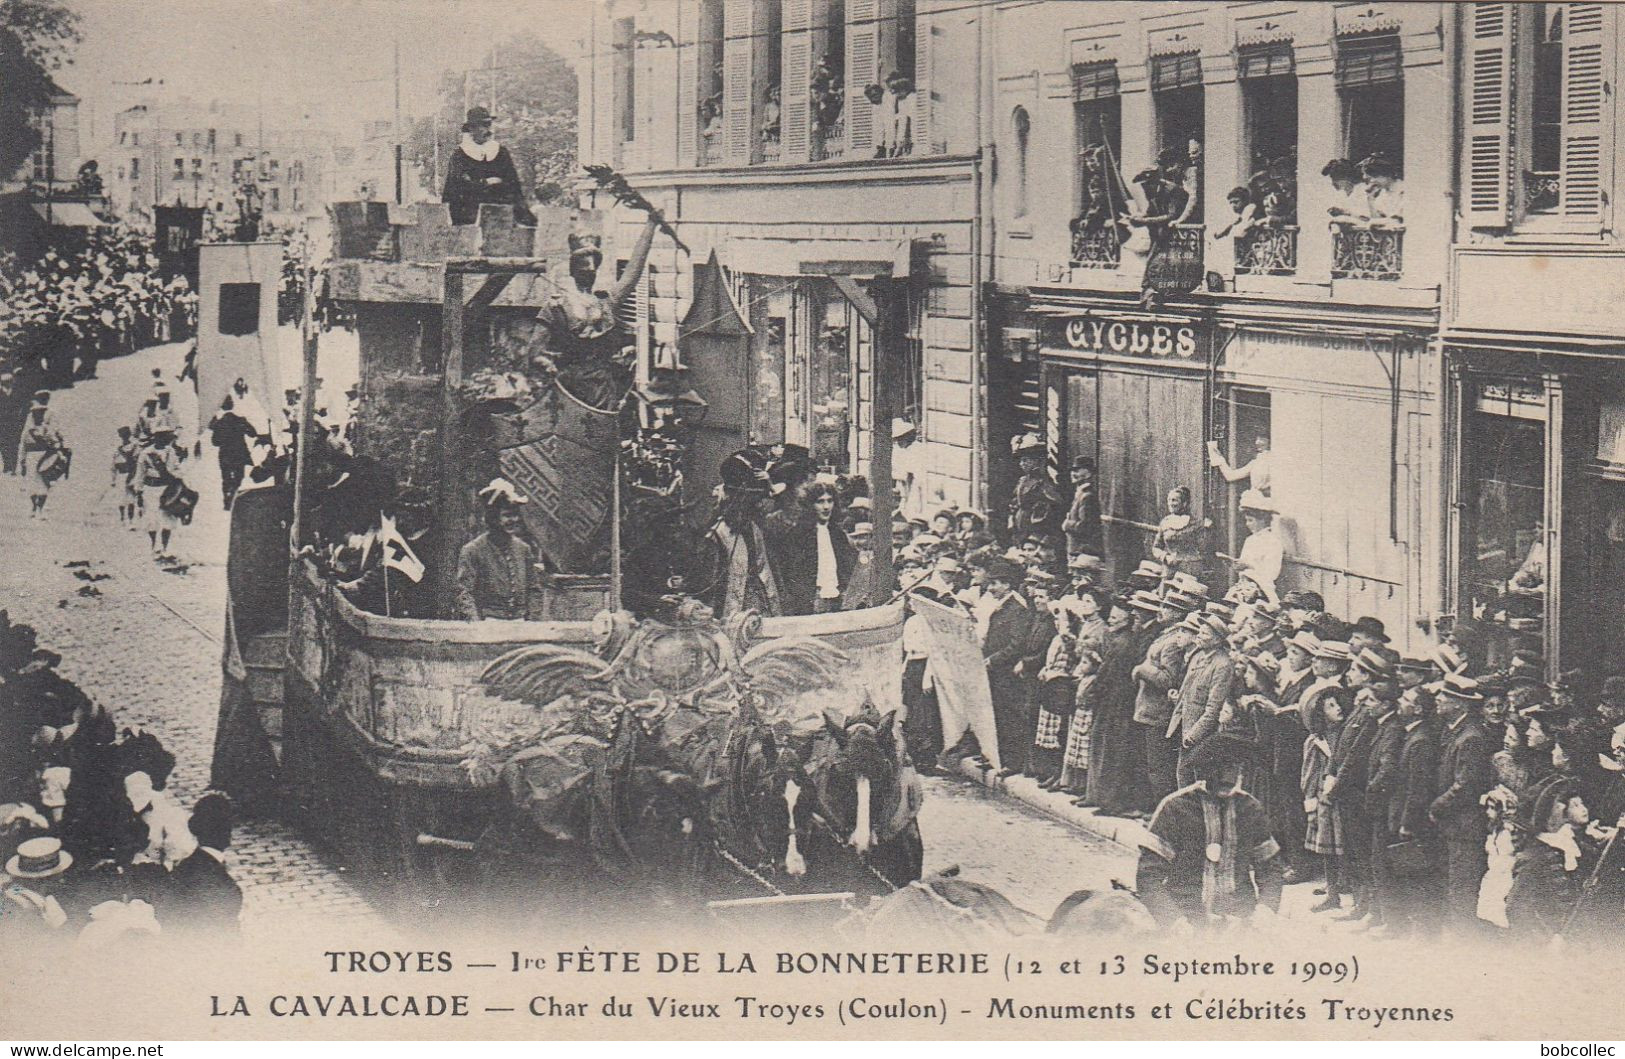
1131, 338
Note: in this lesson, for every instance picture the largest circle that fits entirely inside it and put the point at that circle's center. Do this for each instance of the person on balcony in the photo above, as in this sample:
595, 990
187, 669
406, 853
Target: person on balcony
1170, 267
898, 108
1243, 214
482, 170
1385, 191
1349, 203
771, 118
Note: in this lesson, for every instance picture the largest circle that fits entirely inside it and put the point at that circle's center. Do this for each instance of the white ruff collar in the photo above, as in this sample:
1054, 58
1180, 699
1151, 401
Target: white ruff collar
480, 152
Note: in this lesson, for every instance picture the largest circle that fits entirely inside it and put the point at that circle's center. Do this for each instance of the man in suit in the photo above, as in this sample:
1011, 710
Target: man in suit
1413, 898
1346, 779
204, 896
1002, 647
1203, 691
1382, 787
1156, 677
1464, 777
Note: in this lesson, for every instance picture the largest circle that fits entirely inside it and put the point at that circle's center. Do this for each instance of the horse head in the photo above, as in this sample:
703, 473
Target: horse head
864, 766
783, 806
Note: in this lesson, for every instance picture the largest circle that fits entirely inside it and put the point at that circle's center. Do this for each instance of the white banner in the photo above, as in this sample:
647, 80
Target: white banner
961, 678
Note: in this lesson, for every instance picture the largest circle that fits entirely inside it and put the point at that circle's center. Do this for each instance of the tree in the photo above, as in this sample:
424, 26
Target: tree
533, 90
35, 37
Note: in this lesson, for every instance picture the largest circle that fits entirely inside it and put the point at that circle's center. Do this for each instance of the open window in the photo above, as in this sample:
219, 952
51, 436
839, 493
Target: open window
1371, 97
1269, 94
1176, 92
1097, 118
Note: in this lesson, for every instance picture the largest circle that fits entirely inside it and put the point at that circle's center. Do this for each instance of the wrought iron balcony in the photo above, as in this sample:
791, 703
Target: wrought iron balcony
1363, 252
710, 150
1267, 251
1095, 248
765, 152
1540, 191
829, 143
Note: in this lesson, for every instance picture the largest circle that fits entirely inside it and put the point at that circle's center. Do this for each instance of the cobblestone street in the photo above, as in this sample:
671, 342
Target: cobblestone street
146, 643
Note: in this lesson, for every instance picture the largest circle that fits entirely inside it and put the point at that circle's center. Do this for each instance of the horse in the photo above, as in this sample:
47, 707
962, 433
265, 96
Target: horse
866, 803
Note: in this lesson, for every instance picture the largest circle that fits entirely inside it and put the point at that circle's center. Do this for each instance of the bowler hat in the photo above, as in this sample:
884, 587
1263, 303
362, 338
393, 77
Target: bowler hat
1006, 571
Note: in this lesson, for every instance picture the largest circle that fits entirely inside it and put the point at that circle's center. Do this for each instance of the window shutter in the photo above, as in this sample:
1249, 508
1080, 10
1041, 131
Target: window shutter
1265, 60
1489, 82
1092, 81
1175, 71
1373, 59
862, 70
737, 48
1580, 192
795, 81
926, 32
602, 97
688, 82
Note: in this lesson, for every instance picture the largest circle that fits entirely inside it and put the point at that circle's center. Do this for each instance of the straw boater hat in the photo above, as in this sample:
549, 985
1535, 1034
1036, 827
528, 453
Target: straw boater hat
1026, 445
1336, 650
1306, 641
1448, 659
1144, 600
39, 858
1255, 501
1375, 664
1459, 687
1149, 568
1183, 582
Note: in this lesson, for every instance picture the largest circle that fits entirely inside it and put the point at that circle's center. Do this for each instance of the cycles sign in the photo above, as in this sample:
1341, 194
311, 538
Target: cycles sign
1128, 338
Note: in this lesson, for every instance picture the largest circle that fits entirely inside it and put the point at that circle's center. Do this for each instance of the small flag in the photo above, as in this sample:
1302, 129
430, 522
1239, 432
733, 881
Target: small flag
397, 554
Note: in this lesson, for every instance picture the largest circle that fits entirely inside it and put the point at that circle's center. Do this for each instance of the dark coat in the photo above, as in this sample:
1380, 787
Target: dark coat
1464, 777
1161, 671
792, 545
1416, 780
1035, 507
1351, 761
203, 895
466, 186
1082, 523
230, 434
1203, 692
1382, 767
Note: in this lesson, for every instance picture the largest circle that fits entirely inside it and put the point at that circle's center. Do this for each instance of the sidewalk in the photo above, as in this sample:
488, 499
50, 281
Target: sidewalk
1130, 834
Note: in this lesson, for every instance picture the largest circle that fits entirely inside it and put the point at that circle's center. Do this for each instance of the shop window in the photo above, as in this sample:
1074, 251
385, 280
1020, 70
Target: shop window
1020, 131
1504, 540
832, 377
768, 366
1371, 97
239, 308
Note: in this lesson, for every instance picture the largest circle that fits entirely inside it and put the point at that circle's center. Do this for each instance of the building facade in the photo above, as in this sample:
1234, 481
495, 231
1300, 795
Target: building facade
1311, 330
1532, 338
838, 209
190, 155
1418, 337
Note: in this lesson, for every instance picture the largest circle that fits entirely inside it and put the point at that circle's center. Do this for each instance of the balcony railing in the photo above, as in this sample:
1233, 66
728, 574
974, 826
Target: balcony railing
1190, 242
1540, 191
829, 143
765, 152
1362, 252
710, 150
1095, 248
1267, 252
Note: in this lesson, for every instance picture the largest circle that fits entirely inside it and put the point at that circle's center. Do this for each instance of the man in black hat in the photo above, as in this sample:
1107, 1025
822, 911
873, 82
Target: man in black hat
1002, 647
1035, 505
1465, 776
1210, 856
736, 573
482, 170
1411, 895
205, 896
1084, 535
496, 571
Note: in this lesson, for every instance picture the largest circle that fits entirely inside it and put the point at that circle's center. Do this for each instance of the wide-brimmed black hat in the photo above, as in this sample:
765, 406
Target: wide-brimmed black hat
476, 116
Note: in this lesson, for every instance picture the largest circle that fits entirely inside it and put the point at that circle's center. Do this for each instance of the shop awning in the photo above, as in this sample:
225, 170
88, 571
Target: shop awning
68, 215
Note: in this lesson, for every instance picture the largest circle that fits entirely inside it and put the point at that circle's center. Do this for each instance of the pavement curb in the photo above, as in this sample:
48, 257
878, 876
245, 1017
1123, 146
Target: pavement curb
1130, 834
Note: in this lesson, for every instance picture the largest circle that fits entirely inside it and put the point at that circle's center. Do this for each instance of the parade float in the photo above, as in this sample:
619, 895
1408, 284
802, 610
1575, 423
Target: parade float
669, 752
